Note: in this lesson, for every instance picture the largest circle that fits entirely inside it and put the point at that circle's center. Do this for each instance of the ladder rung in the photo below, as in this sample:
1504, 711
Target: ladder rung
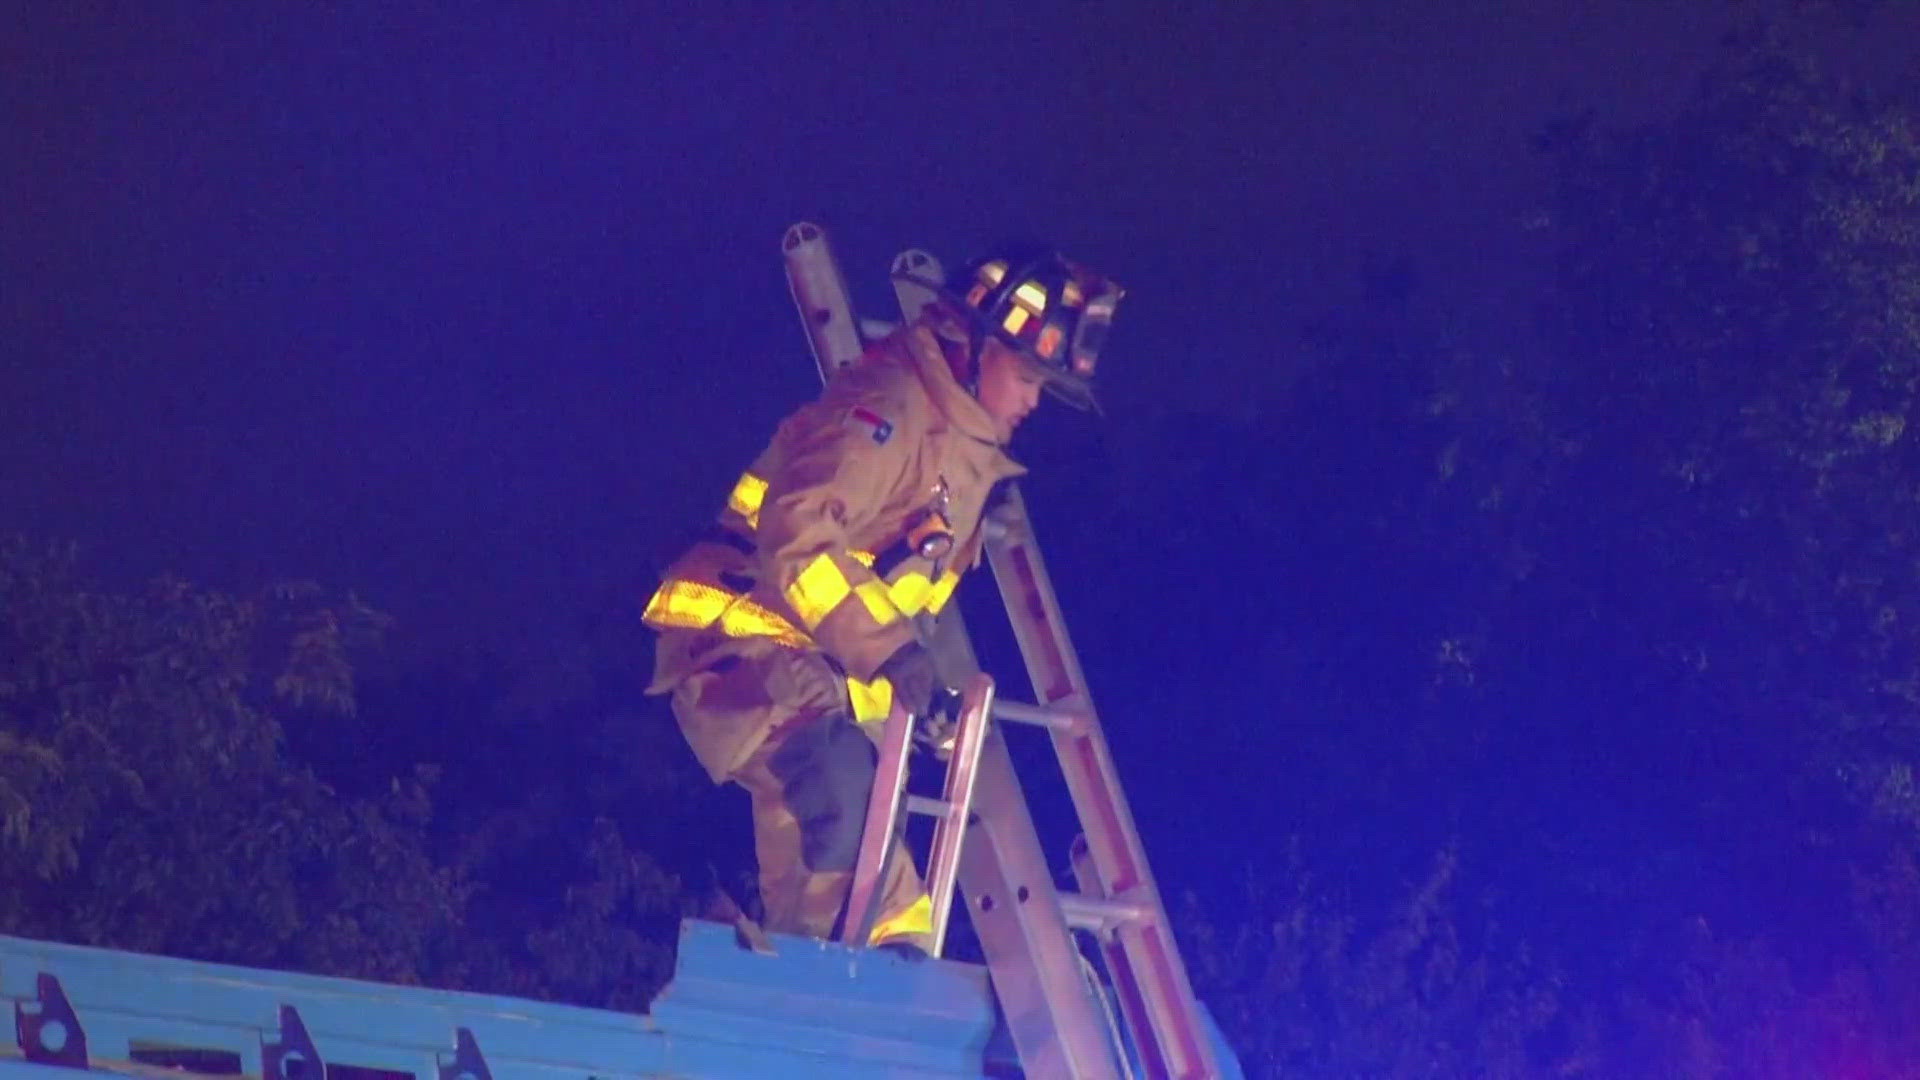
1046, 716
930, 807
1093, 913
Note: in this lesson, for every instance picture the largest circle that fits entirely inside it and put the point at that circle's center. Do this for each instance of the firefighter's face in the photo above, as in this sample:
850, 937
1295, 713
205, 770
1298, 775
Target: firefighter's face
1009, 387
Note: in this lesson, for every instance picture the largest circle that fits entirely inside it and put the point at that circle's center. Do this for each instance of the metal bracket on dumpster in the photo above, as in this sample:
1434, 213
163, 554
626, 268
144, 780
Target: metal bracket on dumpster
51, 1033
293, 1057
467, 1063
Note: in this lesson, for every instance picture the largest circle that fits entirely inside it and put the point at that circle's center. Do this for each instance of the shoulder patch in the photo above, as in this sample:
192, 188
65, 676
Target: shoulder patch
878, 427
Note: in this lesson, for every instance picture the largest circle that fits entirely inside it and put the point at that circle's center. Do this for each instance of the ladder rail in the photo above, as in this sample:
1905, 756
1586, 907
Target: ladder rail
820, 294
878, 834
1023, 922
963, 768
1058, 1025
1157, 999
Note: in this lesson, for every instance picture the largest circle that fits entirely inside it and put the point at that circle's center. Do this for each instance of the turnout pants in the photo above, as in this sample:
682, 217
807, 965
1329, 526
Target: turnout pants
809, 779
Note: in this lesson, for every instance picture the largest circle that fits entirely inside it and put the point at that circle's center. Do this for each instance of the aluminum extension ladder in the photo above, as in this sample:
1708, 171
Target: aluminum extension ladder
1026, 925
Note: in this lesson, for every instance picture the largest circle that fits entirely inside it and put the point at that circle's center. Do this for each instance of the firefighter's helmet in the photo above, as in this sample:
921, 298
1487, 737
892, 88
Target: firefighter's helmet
1051, 311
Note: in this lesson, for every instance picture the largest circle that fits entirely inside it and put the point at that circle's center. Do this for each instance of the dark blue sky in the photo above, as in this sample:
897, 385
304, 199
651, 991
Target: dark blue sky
472, 314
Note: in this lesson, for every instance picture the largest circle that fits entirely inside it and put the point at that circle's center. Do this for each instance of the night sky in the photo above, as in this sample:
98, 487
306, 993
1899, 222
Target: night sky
467, 314
475, 316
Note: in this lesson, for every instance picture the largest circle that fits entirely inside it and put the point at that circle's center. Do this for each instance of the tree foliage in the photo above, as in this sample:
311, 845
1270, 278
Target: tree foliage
1740, 306
147, 801
154, 800
1669, 711
1319, 984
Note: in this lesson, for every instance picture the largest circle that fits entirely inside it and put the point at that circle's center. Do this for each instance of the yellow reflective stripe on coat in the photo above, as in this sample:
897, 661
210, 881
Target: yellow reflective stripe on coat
817, 590
748, 493
747, 619
821, 587
942, 591
686, 605
690, 605
915, 918
879, 604
871, 701
909, 592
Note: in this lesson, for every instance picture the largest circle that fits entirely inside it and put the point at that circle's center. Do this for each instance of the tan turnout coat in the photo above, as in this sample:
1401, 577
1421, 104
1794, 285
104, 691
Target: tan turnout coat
817, 553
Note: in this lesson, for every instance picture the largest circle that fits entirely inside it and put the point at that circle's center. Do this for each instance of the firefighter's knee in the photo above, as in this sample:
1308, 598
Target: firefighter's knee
826, 772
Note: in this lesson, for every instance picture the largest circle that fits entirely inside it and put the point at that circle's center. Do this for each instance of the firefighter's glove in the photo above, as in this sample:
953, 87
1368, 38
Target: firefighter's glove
935, 730
915, 682
918, 690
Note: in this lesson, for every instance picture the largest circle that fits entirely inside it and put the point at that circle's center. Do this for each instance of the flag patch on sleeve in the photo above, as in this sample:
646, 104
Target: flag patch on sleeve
873, 423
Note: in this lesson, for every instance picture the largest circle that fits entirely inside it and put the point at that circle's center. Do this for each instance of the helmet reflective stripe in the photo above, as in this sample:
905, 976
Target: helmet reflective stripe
1032, 296
1048, 342
1052, 311
1091, 333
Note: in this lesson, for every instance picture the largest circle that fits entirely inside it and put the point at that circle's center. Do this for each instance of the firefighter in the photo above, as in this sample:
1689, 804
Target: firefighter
788, 634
